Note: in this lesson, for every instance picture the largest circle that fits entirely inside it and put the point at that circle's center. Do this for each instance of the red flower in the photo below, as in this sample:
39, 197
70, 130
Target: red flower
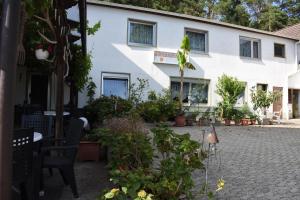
50, 49
39, 46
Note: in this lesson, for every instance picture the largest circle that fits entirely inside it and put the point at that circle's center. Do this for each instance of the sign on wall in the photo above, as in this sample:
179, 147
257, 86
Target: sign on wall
165, 57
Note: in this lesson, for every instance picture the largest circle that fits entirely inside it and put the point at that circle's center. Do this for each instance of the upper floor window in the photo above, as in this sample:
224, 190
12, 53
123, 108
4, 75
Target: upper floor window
198, 40
250, 47
279, 50
141, 33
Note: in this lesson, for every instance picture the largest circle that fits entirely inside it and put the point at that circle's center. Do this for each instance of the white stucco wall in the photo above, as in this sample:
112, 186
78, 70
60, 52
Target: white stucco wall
112, 54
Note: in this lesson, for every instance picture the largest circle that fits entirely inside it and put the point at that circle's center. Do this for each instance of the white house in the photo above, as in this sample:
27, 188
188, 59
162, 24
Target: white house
136, 42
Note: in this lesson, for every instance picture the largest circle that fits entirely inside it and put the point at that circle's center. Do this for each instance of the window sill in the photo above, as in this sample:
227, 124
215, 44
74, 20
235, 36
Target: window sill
199, 53
141, 45
249, 58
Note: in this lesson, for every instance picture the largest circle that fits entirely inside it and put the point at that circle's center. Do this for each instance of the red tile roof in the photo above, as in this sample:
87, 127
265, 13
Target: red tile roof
290, 31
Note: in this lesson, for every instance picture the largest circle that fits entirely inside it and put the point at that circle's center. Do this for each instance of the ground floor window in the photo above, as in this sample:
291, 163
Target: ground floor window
263, 87
195, 91
115, 85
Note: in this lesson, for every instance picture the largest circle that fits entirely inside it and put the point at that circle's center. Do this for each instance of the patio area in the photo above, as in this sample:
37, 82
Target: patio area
257, 163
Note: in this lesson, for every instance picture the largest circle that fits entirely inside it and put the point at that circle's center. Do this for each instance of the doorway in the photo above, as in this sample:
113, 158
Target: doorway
277, 105
39, 90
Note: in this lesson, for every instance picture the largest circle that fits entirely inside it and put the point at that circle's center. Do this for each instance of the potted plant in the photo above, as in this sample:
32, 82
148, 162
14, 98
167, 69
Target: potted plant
245, 110
229, 88
183, 63
237, 117
253, 118
204, 119
191, 118
262, 100
42, 51
89, 147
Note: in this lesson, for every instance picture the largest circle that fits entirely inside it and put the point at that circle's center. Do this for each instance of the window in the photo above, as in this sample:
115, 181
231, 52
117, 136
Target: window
195, 91
279, 50
250, 48
198, 40
263, 87
115, 85
141, 33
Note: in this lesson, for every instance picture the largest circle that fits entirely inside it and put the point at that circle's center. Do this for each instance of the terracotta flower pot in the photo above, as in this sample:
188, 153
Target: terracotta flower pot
237, 122
227, 122
253, 121
180, 120
89, 151
245, 122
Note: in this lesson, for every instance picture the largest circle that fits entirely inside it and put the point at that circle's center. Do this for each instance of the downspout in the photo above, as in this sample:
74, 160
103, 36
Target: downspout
296, 53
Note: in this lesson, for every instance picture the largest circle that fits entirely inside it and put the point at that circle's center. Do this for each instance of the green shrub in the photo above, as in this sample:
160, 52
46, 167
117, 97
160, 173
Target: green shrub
105, 108
229, 88
170, 178
159, 107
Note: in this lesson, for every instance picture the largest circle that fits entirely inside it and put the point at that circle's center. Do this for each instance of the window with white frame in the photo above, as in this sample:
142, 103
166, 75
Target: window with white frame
195, 91
115, 85
279, 50
141, 33
198, 40
250, 47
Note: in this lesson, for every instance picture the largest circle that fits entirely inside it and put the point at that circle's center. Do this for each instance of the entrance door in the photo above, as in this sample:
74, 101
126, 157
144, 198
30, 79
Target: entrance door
295, 103
277, 105
39, 90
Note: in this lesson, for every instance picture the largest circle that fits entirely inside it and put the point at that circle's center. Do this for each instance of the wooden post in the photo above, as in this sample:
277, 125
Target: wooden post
61, 58
8, 62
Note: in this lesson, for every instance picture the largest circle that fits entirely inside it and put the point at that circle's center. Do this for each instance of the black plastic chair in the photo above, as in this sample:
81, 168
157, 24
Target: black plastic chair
66, 150
23, 163
32, 109
39, 123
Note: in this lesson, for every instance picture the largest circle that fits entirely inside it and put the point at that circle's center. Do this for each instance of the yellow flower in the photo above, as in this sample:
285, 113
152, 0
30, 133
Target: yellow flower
220, 185
142, 194
114, 190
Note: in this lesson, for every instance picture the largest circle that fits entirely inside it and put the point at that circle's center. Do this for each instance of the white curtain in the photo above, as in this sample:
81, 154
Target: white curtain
141, 33
197, 40
115, 87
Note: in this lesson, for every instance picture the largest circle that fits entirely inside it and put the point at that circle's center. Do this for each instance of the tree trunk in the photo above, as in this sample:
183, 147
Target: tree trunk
181, 89
61, 59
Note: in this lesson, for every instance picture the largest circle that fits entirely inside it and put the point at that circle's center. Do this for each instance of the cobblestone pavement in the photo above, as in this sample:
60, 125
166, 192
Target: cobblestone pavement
257, 162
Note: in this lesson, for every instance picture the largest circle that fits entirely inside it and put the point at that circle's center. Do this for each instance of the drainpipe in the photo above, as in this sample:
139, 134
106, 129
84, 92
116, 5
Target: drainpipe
296, 53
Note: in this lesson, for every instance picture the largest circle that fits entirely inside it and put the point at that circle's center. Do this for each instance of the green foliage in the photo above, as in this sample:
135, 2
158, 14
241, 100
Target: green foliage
233, 11
137, 91
263, 14
183, 63
263, 99
92, 30
105, 108
93, 135
229, 88
80, 66
91, 86
170, 179
159, 107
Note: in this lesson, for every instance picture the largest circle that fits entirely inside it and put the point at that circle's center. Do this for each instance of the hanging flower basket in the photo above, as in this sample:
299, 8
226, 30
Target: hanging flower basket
42, 52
